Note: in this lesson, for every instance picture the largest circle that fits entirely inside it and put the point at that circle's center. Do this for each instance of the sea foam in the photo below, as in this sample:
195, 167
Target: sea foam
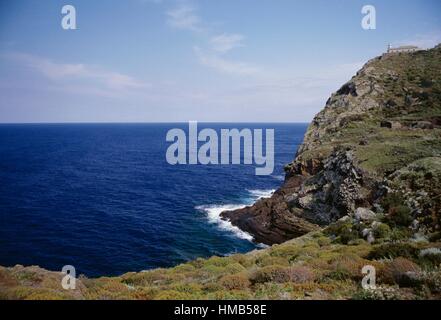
214, 212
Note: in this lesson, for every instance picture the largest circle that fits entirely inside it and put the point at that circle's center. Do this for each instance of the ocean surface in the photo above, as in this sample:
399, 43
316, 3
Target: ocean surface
103, 198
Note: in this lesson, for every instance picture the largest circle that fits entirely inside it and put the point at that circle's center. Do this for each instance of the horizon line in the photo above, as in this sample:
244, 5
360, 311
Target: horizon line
156, 122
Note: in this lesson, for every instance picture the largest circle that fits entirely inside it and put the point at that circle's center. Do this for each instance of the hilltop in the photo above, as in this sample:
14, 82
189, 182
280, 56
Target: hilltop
363, 189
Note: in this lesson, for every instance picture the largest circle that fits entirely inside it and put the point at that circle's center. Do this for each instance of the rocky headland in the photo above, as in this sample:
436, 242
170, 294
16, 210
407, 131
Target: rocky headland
378, 136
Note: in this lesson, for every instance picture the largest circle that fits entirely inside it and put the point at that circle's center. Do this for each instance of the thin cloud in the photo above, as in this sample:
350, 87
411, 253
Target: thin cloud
226, 42
184, 17
64, 71
223, 65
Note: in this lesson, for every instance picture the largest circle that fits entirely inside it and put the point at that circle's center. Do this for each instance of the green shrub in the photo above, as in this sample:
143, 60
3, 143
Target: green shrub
276, 274
393, 250
212, 287
430, 257
242, 259
230, 295
399, 233
433, 281
426, 82
172, 295
6, 279
392, 200
267, 260
344, 231
187, 287
381, 231
234, 268
25, 276
144, 293
324, 241
213, 270
287, 251
41, 294
399, 216
380, 293
346, 267
184, 268
436, 236
197, 263
235, 282
357, 242
217, 261
146, 278
397, 213
396, 272
301, 274
348, 235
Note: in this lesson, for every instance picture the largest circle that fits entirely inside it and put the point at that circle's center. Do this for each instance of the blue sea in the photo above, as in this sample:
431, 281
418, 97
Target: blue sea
103, 198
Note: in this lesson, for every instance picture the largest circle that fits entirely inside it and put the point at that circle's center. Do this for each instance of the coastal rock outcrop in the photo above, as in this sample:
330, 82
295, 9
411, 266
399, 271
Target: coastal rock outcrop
370, 130
270, 220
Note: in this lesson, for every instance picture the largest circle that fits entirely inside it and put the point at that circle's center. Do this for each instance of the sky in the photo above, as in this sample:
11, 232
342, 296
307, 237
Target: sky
182, 60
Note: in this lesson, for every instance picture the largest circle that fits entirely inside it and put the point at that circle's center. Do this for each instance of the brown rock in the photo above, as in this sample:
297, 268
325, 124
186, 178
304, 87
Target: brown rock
270, 220
422, 125
390, 124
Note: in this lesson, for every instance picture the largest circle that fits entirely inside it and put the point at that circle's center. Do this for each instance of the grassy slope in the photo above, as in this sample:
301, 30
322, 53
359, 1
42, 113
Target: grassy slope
407, 88
310, 267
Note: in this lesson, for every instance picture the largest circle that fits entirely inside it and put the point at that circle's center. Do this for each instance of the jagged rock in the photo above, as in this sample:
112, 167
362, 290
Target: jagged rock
408, 100
370, 238
409, 279
435, 120
378, 208
390, 124
270, 220
344, 219
364, 214
391, 103
306, 201
306, 168
348, 88
414, 225
369, 235
422, 125
338, 182
420, 185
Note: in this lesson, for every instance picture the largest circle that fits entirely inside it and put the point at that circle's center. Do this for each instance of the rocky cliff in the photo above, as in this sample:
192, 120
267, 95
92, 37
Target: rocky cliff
378, 137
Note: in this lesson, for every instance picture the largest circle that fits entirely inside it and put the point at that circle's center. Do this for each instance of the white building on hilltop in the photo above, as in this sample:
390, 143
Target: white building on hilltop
402, 49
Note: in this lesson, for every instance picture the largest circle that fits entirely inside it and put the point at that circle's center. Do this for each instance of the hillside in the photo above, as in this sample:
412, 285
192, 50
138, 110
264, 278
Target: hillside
363, 189
379, 136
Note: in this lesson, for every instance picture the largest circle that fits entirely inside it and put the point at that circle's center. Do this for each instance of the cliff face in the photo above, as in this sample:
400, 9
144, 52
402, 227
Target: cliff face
385, 121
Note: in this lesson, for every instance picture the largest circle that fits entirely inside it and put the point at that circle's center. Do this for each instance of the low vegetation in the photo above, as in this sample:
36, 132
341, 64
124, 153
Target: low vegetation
320, 265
